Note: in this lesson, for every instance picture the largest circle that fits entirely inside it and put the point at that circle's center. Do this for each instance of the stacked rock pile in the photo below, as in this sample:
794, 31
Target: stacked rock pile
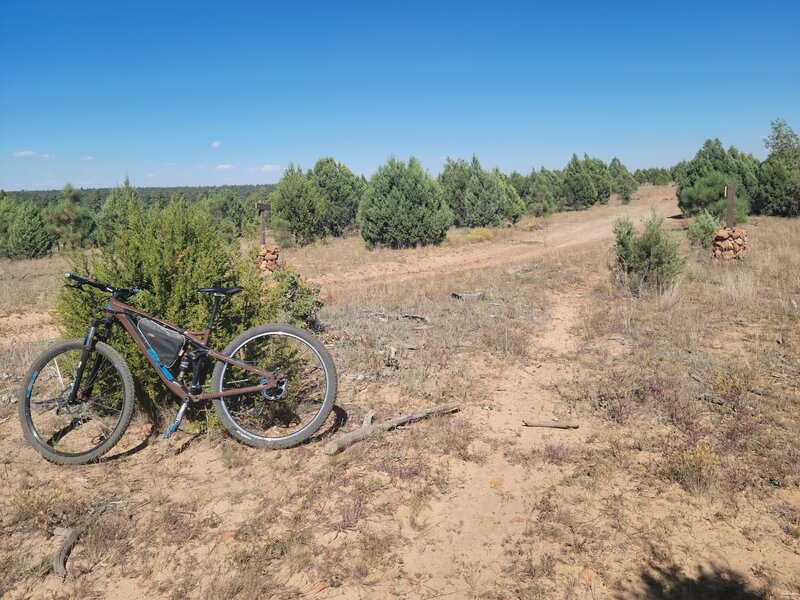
268, 258
730, 243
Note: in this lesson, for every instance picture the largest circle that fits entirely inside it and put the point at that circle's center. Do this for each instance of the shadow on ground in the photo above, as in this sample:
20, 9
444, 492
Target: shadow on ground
712, 583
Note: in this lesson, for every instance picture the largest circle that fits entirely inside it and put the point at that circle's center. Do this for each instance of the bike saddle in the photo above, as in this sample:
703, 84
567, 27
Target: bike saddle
221, 291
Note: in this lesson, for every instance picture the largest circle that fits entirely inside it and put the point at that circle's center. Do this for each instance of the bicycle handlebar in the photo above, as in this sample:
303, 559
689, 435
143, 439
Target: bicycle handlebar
80, 281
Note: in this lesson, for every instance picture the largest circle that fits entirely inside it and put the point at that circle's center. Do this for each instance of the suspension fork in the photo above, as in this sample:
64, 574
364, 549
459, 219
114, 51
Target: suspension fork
88, 346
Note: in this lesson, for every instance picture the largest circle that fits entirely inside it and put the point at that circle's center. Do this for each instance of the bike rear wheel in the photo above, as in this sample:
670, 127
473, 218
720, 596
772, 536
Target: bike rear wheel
292, 412
77, 432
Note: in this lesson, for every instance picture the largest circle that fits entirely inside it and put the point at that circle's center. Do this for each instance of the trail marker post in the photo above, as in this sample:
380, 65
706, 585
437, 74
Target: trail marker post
262, 208
730, 194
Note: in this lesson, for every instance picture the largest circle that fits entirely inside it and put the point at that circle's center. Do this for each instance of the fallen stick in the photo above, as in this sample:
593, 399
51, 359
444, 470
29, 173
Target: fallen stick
366, 430
468, 295
552, 424
60, 558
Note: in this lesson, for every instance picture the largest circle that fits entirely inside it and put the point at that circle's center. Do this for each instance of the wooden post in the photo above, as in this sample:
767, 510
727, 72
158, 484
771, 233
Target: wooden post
262, 208
730, 193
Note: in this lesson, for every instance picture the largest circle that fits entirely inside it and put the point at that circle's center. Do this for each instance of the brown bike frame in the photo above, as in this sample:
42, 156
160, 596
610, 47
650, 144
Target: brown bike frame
115, 309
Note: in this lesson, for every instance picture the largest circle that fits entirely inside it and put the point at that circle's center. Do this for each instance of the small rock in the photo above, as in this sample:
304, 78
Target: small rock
8, 399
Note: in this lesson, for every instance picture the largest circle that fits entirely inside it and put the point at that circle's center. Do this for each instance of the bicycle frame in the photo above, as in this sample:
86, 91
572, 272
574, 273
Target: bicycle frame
123, 313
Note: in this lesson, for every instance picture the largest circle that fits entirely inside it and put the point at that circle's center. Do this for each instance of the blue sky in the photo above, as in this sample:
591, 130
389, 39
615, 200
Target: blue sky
196, 93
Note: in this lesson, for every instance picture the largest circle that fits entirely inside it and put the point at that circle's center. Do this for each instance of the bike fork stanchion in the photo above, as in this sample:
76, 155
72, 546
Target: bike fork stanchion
176, 423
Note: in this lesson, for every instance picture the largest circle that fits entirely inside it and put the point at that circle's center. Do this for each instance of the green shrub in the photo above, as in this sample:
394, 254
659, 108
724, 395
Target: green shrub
623, 182
28, 236
708, 194
701, 229
648, 261
298, 201
403, 207
171, 251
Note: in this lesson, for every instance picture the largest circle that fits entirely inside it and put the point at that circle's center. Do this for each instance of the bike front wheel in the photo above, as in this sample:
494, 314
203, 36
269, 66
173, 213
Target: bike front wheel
77, 431
293, 411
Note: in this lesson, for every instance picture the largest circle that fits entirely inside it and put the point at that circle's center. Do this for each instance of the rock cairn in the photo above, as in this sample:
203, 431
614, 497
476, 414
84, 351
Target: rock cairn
730, 244
268, 258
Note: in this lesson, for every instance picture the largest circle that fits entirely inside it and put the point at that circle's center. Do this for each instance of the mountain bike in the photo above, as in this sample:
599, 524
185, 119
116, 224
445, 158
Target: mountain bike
273, 386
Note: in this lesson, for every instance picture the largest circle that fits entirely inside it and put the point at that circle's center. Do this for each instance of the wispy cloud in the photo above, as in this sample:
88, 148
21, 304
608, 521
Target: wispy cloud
24, 153
216, 144
88, 158
46, 155
224, 167
271, 169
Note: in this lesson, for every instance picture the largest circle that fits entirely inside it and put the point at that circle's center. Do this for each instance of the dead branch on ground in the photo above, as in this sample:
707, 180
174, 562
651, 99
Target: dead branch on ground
368, 429
552, 424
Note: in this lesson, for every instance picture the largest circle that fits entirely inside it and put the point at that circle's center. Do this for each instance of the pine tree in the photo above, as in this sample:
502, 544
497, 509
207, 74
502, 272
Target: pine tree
27, 235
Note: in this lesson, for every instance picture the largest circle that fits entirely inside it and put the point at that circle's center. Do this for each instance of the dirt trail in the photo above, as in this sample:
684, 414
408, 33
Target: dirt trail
565, 231
466, 530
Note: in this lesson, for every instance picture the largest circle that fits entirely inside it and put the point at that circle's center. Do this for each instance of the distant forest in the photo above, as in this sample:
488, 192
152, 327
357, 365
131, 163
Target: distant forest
94, 197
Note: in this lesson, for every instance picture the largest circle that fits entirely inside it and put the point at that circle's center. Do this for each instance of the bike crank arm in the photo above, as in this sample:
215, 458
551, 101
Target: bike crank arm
176, 423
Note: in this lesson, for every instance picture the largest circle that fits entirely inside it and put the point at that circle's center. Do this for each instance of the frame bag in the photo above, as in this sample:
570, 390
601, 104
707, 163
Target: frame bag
164, 342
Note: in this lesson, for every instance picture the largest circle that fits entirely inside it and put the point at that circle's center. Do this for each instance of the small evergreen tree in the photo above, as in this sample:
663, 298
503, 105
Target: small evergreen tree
341, 191
519, 182
623, 182
708, 194
297, 201
28, 236
8, 214
542, 193
485, 199
514, 205
778, 191
601, 178
70, 222
578, 188
403, 207
453, 180
112, 214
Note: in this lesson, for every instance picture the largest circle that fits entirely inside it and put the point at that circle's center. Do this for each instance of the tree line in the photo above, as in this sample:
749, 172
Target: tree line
402, 205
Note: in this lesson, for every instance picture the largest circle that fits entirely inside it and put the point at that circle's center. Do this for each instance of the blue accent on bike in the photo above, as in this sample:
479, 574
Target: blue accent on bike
30, 386
164, 369
170, 430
